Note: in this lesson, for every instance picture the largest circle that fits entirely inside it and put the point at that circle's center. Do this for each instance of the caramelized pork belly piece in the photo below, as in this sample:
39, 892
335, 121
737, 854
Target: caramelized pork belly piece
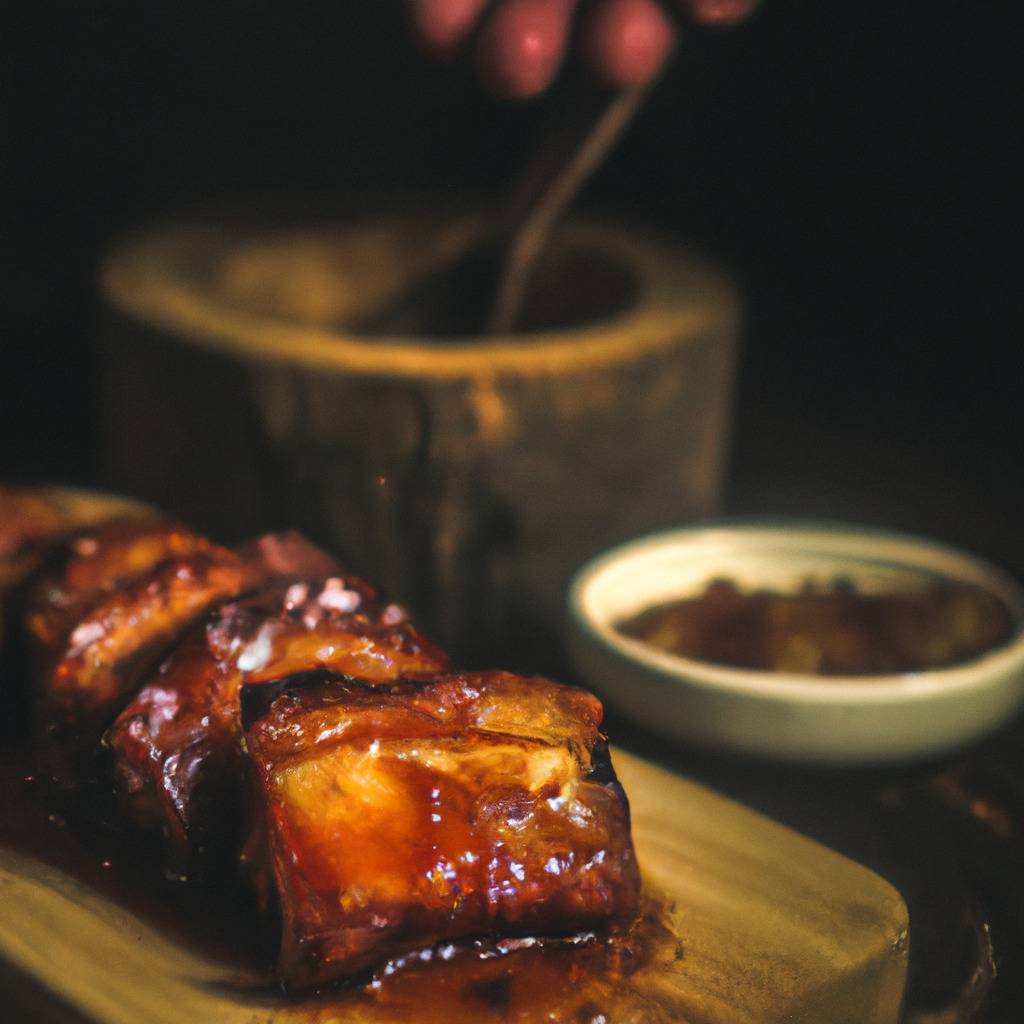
34, 519
177, 745
95, 563
98, 562
121, 638
402, 816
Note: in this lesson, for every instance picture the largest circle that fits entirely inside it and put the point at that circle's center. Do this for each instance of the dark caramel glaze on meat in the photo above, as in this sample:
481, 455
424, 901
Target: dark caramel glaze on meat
427, 811
393, 809
124, 634
177, 745
87, 674
34, 519
94, 563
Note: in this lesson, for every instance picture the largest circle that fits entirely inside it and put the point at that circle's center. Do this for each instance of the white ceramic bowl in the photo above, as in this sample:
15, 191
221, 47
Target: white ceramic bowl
805, 718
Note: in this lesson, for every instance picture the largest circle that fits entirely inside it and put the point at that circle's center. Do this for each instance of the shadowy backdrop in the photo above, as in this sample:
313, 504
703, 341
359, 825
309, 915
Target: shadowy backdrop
855, 165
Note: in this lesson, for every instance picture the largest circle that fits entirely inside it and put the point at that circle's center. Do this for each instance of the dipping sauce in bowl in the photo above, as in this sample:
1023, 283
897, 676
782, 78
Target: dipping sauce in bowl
801, 641
829, 629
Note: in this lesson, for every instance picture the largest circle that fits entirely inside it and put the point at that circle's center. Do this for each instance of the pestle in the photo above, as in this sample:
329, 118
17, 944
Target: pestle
482, 290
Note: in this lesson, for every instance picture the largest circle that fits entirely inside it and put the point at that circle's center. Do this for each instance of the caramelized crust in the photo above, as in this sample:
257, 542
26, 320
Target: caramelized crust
401, 816
124, 634
88, 671
177, 745
97, 562
33, 519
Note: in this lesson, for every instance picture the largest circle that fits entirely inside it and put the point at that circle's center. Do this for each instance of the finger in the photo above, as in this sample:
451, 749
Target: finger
719, 13
628, 41
443, 25
522, 46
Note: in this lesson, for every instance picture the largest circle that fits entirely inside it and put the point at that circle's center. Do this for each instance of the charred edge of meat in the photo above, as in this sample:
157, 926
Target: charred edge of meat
256, 699
602, 771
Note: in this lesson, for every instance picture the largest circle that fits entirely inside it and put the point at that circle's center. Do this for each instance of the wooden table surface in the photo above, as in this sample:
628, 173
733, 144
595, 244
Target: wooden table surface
746, 922
949, 835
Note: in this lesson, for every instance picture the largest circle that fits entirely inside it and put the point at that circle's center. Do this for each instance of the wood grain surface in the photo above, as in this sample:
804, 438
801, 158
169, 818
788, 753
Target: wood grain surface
769, 927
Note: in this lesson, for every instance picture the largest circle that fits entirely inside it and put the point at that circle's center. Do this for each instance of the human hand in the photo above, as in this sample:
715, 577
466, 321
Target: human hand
521, 43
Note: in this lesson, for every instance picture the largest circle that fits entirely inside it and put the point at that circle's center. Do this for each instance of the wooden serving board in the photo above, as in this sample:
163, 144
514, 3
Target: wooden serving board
768, 927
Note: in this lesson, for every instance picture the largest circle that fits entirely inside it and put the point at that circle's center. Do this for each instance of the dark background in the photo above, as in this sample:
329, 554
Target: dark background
854, 164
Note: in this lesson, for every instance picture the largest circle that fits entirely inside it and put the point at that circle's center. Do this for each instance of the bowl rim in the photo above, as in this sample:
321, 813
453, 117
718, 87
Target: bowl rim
765, 684
151, 276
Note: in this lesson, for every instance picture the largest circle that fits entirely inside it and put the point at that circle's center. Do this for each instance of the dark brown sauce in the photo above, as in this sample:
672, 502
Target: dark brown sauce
590, 980
84, 836
828, 630
587, 980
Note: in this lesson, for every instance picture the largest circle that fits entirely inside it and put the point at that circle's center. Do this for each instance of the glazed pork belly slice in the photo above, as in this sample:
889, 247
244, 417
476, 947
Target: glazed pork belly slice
94, 563
177, 745
87, 678
35, 519
398, 817
122, 638
97, 562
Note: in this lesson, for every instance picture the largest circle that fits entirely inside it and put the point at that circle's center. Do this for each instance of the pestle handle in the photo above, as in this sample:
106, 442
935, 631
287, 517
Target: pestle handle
494, 272
535, 210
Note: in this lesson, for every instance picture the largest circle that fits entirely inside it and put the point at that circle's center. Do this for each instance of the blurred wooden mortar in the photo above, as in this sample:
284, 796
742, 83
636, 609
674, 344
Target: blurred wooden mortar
469, 476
